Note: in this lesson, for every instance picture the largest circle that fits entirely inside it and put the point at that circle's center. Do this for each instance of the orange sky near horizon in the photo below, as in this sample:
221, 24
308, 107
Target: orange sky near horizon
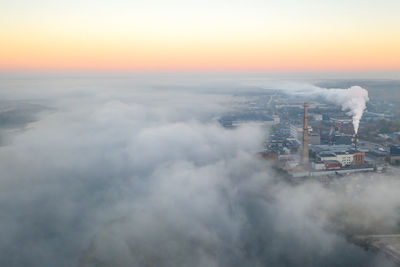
55, 38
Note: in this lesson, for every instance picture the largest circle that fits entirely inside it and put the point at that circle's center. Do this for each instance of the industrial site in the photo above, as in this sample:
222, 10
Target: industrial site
311, 136
340, 155
246, 176
323, 139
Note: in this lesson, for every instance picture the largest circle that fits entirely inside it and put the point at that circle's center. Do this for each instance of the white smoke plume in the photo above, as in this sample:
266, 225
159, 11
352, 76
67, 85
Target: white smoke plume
353, 100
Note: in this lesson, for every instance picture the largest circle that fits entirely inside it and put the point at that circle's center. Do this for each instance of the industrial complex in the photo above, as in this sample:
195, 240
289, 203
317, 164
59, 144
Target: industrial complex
316, 138
317, 159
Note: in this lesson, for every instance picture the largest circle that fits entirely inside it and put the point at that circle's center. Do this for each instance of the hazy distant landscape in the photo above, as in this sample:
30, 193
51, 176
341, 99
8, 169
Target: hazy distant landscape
120, 172
188, 133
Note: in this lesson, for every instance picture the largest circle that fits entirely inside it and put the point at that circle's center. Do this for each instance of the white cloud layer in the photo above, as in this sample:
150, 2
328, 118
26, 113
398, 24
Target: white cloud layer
128, 174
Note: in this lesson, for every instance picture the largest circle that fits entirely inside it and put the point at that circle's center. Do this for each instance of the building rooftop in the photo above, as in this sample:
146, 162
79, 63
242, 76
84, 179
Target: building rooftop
329, 148
331, 161
342, 153
395, 150
327, 155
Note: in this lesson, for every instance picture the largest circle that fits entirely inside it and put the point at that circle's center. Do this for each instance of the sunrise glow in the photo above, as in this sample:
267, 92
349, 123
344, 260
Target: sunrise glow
199, 35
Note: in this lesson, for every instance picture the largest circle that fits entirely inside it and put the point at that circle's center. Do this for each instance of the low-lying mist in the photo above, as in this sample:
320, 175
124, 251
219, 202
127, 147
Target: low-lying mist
124, 172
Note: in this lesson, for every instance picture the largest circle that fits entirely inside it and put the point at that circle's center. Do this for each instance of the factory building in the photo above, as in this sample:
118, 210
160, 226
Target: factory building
377, 155
318, 165
342, 139
395, 155
359, 158
345, 158
326, 156
314, 139
341, 120
345, 155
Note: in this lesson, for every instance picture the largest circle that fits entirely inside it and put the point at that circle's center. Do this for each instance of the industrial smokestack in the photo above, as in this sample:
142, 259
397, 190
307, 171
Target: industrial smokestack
305, 135
355, 141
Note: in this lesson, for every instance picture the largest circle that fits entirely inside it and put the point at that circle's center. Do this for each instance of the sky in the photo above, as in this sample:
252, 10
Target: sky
234, 35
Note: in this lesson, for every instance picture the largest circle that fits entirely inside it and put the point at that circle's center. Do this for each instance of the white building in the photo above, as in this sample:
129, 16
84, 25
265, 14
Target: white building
318, 166
345, 158
297, 131
327, 156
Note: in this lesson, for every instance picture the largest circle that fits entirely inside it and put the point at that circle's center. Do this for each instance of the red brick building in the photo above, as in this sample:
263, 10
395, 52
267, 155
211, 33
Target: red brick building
359, 158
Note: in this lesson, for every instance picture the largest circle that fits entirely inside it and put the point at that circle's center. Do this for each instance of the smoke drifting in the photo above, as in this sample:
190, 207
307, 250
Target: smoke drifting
353, 100
121, 172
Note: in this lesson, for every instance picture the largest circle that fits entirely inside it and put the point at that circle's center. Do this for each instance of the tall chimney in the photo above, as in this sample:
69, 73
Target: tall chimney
355, 141
305, 136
